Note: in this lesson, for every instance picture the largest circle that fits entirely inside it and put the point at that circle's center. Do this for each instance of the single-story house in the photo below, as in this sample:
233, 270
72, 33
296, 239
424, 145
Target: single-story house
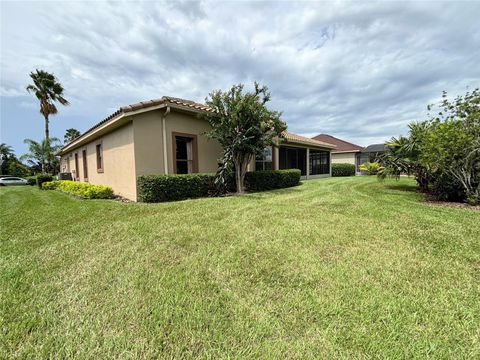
167, 136
345, 152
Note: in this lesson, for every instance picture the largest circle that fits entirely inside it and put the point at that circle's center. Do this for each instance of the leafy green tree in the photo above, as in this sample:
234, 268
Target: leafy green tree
48, 91
6, 157
451, 150
442, 152
70, 135
16, 168
244, 126
41, 155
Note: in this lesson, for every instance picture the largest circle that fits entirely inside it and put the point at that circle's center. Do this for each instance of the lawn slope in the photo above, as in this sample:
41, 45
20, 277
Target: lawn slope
339, 267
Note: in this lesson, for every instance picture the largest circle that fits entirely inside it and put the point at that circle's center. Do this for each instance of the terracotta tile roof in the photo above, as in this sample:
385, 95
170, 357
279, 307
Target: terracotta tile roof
167, 100
305, 140
189, 105
342, 145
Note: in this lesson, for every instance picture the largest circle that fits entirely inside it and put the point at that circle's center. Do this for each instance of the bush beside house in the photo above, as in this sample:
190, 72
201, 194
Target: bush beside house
158, 188
343, 170
271, 179
82, 190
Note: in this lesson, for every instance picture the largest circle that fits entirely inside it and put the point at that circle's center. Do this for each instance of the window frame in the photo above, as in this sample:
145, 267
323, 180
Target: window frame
319, 162
77, 167
193, 138
262, 160
99, 156
85, 165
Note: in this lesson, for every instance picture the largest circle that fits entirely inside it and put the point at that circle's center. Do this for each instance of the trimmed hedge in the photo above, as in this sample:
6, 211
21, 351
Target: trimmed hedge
41, 178
158, 188
271, 179
82, 190
343, 170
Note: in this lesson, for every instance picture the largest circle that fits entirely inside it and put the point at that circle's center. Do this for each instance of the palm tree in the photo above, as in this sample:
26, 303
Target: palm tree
6, 153
41, 154
5, 150
70, 135
403, 156
48, 91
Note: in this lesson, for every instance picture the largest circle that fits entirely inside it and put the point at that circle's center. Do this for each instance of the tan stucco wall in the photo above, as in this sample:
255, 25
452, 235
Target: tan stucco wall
343, 158
147, 133
149, 141
118, 162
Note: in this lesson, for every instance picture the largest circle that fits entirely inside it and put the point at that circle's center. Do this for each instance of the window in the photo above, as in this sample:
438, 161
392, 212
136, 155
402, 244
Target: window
319, 162
293, 158
264, 161
185, 153
85, 167
99, 151
77, 168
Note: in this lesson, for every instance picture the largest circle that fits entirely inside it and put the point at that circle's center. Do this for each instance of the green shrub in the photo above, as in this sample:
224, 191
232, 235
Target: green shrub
32, 180
271, 179
50, 185
446, 188
343, 170
82, 190
372, 168
157, 188
41, 178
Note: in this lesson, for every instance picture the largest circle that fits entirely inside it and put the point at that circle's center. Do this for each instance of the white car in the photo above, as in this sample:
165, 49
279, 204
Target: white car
11, 180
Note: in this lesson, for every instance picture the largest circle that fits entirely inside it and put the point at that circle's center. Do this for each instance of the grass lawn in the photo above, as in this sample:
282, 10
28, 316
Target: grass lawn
334, 268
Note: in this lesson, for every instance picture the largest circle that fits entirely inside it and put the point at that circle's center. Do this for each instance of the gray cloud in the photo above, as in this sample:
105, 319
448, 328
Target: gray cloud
361, 71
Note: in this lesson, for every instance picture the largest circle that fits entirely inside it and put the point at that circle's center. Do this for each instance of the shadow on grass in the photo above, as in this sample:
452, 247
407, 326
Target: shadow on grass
264, 194
402, 187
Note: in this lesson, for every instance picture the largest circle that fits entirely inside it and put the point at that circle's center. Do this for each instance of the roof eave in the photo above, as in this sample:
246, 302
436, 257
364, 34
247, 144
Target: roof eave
122, 113
346, 151
307, 144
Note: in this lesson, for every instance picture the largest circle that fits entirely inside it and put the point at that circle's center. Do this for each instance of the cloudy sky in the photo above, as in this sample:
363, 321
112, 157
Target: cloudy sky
357, 70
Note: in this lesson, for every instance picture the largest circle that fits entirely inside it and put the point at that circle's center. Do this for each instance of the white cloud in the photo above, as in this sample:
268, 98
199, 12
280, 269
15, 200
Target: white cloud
357, 70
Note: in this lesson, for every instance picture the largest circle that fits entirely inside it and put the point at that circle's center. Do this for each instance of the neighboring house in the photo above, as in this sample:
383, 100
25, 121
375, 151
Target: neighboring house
371, 153
345, 152
167, 136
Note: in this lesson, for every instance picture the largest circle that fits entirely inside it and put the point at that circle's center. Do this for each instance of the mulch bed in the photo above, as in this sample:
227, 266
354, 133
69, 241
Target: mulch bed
430, 200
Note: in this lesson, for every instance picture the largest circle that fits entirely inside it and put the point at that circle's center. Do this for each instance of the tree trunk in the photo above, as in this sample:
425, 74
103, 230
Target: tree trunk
47, 144
241, 162
238, 179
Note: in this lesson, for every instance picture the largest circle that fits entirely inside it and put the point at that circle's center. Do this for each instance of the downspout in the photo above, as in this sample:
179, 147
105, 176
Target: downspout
164, 135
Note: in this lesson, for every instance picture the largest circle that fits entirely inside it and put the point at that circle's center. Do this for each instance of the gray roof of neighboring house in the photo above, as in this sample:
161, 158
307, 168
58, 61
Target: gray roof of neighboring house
374, 148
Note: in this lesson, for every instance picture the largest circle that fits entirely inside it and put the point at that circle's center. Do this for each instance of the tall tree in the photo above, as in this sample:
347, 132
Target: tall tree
70, 135
48, 91
5, 150
243, 125
442, 152
6, 154
42, 154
